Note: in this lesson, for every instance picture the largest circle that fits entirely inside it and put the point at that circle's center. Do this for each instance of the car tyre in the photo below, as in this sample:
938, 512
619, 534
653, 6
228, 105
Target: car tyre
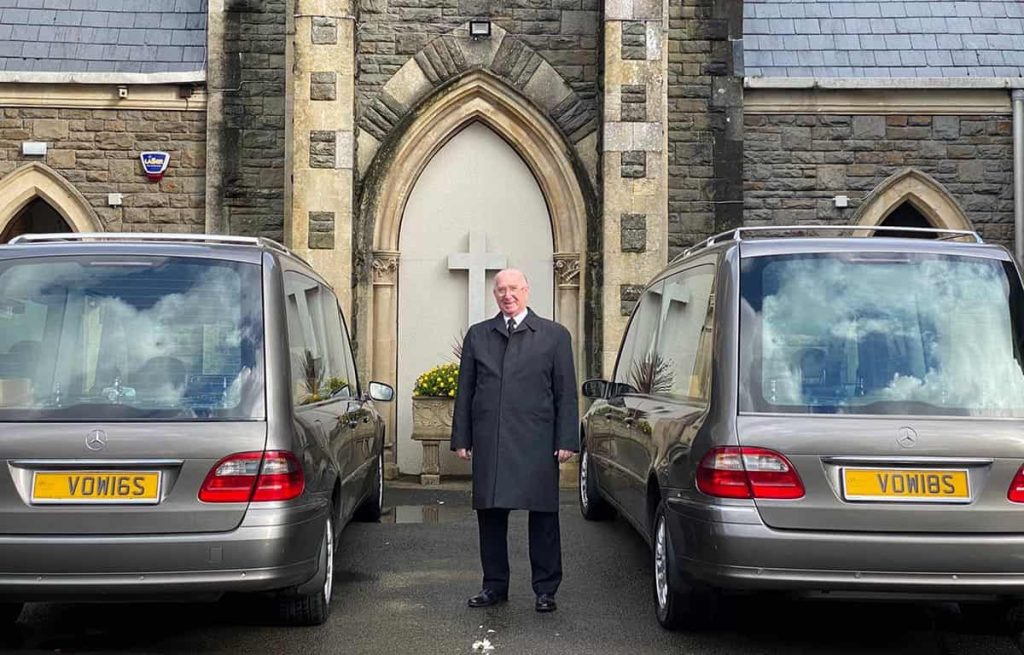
592, 506
9, 613
373, 506
314, 607
678, 605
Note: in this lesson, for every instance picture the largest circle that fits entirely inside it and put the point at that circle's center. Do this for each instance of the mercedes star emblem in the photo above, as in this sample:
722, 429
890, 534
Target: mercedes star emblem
97, 440
906, 437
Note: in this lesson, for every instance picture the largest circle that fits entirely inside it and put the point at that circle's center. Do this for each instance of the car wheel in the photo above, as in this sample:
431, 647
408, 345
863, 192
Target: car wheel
679, 606
313, 607
592, 506
9, 612
373, 506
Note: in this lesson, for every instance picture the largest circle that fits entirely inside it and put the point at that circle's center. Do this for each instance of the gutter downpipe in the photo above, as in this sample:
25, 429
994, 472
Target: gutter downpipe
1017, 95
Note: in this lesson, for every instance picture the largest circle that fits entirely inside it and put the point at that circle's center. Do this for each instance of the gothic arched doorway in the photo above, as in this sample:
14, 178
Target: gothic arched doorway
37, 217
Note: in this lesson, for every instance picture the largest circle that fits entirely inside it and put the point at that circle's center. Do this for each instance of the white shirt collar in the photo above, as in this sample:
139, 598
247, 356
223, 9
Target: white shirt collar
519, 318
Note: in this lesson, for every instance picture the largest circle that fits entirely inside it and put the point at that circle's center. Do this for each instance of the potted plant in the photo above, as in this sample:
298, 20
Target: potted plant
433, 403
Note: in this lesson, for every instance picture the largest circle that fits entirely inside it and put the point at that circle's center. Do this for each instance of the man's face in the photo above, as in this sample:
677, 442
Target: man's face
511, 291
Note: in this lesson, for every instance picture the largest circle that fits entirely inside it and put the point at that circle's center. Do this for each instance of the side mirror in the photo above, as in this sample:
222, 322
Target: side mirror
382, 392
594, 388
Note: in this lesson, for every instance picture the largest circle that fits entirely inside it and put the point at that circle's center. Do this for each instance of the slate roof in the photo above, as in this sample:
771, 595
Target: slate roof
883, 38
103, 36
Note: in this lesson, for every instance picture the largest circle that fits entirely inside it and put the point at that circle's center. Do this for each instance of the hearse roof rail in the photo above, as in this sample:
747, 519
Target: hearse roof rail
740, 233
221, 239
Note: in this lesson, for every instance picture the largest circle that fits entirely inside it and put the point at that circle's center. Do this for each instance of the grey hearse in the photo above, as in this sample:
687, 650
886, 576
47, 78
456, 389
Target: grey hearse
180, 416
821, 414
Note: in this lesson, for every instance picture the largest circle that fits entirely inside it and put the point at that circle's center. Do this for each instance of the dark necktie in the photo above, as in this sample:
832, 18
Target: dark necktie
511, 326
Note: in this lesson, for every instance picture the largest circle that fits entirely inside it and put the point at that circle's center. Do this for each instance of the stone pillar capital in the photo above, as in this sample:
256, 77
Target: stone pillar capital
567, 269
385, 267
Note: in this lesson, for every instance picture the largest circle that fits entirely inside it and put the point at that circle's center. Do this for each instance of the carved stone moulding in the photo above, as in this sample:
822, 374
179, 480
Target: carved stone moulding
567, 269
385, 267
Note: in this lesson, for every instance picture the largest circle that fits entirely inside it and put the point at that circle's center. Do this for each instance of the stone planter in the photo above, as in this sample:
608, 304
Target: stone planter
432, 426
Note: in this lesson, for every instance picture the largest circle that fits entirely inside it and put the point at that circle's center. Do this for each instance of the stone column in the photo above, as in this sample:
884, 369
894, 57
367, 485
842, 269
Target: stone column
567, 312
384, 327
322, 129
635, 165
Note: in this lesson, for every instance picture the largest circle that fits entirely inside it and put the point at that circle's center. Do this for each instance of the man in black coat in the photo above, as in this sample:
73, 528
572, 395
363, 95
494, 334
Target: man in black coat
516, 416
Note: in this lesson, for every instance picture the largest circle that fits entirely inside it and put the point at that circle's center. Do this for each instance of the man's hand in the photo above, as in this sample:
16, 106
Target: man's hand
564, 455
464, 453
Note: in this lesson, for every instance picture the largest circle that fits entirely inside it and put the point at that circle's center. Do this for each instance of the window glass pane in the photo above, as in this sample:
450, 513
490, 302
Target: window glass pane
635, 368
339, 381
106, 337
683, 354
306, 346
835, 334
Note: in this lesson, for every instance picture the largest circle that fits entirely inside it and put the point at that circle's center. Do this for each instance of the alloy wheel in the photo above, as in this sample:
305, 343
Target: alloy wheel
329, 582
584, 491
661, 564
380, 481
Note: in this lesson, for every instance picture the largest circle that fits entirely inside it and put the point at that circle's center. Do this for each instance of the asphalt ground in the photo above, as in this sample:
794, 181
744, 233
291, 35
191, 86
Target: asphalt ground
401, 587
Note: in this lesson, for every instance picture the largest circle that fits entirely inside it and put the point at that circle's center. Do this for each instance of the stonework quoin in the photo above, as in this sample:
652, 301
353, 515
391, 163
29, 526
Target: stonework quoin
323, 86
633, 232
321, 230
634, 103
324, 31
634, 40
634, 164
629, 294
322, 148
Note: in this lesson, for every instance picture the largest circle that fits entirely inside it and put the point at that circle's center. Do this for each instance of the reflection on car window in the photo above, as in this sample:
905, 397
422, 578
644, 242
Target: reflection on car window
321, 361
127, 338
881, 333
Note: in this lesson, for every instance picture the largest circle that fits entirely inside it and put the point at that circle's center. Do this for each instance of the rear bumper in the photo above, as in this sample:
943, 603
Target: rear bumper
271, 549
733, 549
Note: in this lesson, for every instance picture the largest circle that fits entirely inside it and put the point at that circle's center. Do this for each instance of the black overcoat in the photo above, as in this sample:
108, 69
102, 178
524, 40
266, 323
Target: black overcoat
515, 405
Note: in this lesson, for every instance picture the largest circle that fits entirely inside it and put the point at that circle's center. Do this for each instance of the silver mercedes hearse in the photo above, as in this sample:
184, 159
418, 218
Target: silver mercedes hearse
180, 416
822, 414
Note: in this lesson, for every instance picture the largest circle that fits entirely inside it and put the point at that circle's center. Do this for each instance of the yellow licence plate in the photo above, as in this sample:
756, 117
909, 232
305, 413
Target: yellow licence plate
916, 485
96, 487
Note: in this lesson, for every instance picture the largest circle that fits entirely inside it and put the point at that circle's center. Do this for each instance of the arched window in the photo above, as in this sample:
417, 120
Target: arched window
906, 215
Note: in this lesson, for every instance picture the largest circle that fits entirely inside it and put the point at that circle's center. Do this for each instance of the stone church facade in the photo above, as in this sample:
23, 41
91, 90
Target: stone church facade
643, 126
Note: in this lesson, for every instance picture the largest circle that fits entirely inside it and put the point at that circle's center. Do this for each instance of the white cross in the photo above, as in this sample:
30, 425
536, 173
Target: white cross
477, 261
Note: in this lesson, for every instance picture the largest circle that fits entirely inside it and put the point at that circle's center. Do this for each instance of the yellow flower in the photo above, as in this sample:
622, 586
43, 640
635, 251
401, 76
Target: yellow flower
451, 393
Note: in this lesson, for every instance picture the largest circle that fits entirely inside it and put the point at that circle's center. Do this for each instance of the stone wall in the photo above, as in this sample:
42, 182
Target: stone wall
97, 151
565, 33
253, 144
795, 164
705, 119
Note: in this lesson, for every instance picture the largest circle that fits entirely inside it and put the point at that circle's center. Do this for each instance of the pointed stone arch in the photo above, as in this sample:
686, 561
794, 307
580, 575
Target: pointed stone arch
922, 191
19, 187
476, 97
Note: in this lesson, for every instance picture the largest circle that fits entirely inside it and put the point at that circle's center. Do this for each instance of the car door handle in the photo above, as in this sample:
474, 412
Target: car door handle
629, 422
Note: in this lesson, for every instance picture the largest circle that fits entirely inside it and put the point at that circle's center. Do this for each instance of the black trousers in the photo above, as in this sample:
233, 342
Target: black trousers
545, 550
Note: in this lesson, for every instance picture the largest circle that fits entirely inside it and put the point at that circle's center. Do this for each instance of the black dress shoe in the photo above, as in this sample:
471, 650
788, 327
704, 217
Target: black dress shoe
545, 603
486, 598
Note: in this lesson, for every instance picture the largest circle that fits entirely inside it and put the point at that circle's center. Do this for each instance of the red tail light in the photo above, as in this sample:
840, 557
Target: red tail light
1016, 492
732, 472
255, 476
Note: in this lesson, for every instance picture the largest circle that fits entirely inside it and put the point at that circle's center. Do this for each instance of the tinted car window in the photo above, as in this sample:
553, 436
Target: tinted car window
104, 337
639, 369
881, 333
684, 336
318, 346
